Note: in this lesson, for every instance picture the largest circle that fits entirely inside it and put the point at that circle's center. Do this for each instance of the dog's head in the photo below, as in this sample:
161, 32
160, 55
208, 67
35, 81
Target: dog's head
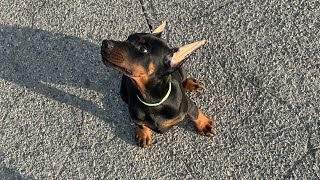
145, 54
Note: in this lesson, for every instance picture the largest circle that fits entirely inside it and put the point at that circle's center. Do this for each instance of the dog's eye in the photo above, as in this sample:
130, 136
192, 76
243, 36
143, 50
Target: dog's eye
143, 49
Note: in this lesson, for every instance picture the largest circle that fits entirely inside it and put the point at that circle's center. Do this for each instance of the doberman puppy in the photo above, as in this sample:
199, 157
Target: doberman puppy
154, 83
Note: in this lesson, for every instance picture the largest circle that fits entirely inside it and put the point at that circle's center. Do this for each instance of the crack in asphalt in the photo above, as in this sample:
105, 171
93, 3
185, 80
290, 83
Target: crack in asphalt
145, 15
223, 6
36, 12
310, 151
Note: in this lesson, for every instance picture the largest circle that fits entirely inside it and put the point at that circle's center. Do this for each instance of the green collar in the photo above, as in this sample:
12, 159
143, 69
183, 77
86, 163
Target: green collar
157, 104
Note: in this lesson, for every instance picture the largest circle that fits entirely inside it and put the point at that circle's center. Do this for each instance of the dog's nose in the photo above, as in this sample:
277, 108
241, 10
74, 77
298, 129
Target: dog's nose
107, 44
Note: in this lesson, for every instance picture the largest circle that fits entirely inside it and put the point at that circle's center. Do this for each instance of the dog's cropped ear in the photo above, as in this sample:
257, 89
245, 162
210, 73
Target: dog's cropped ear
182, 53
157, 32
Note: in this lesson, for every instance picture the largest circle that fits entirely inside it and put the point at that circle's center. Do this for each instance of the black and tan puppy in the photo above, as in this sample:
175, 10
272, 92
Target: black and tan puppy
154, 83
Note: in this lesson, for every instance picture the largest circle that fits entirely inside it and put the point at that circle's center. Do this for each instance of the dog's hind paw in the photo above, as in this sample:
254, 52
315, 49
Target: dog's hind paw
192, 85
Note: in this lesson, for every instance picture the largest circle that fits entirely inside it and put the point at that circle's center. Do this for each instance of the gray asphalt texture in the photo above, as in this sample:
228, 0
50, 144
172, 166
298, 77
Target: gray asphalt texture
61, 116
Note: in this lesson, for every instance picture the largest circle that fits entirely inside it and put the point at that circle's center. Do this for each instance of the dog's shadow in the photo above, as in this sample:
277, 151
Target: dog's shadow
43, 62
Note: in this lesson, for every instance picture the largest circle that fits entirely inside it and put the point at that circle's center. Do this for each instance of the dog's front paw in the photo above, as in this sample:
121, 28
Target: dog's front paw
192, 85
143, 137
204, 125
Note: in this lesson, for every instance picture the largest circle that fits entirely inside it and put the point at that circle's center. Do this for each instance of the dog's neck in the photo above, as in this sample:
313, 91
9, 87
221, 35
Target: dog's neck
153, 89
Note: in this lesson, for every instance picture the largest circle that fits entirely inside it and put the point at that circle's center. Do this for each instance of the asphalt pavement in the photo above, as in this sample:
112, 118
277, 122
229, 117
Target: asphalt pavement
61, 116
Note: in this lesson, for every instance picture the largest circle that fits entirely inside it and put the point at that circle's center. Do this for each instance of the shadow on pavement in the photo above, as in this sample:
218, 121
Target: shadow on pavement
42, 61
9, 174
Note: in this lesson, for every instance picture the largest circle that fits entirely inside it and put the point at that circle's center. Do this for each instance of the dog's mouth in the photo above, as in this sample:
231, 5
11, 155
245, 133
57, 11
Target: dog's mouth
108, 62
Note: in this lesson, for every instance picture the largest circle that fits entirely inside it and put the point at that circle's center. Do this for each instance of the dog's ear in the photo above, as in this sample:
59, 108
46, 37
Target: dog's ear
157, 32
182, 53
